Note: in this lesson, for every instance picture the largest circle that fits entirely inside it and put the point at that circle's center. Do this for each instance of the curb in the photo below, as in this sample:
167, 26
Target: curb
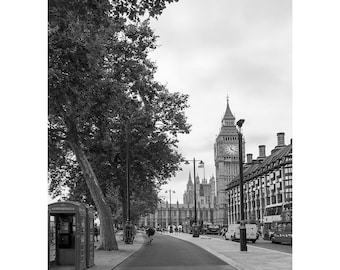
224, 258
237, 264
130, 254
260, 248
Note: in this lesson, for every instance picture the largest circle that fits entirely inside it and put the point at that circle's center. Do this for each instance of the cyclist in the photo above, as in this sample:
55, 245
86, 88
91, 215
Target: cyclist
150, 232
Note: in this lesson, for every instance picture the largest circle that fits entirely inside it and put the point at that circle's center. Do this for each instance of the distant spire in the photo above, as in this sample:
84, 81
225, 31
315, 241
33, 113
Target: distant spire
189, 180
228, 114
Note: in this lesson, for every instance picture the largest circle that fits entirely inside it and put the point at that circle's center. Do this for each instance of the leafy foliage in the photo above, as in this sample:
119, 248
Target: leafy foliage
103, 96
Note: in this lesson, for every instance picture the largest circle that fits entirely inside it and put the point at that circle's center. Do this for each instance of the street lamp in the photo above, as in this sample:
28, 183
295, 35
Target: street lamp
243, 235
195, 233
128, 225
170, 191
161, 201
201, 165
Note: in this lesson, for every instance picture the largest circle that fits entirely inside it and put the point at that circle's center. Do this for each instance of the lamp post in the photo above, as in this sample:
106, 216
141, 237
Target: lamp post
195, 231
161, 201
170, 191
128, 226
243, 235
127, 175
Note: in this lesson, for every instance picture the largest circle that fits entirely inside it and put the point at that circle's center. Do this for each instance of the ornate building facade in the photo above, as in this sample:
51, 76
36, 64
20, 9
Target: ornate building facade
267, 181
183, 214
226, 157
205, 191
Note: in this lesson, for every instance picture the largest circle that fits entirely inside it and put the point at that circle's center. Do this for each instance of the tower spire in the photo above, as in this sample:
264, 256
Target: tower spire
189, 180
228, 115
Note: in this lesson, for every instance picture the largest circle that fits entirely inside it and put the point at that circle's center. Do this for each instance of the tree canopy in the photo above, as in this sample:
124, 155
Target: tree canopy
105, 109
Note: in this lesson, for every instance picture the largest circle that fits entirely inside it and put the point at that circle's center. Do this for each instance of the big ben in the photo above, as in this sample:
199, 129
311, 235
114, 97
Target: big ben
226, 161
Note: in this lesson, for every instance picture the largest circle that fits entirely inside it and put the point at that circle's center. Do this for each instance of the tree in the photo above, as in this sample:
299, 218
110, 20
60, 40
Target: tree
84, 91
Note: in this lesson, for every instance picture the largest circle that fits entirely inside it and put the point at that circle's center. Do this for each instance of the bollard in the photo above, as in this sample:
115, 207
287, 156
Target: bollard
243, 237
195, 230
128, 233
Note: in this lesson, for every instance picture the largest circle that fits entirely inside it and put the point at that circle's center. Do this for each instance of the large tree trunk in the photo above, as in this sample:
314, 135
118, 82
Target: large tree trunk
107, 235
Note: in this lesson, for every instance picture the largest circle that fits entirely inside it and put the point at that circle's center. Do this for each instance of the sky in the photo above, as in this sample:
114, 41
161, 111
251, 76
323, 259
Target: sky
216, 49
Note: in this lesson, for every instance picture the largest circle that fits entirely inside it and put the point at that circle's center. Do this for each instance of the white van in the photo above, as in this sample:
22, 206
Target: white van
233, 232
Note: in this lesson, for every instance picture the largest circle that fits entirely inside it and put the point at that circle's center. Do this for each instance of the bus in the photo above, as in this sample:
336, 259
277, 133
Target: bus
276, 213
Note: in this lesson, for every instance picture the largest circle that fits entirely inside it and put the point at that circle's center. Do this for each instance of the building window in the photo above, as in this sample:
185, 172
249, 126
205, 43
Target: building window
288, 197
279, 198
273, 199
279, 175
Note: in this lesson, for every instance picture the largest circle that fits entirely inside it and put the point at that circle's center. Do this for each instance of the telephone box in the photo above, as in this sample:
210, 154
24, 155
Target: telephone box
89, 236
67, 235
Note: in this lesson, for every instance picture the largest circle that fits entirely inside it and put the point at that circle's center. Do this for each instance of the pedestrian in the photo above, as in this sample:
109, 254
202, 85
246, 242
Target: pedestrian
176, 229
150, 232
134, 231
96, 232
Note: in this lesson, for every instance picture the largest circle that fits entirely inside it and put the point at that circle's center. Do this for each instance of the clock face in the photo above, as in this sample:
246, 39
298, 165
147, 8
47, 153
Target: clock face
230, 149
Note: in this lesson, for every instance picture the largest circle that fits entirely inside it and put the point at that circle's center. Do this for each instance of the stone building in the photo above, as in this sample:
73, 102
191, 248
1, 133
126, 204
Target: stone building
205, 192
267, 181
183, 214
226, 156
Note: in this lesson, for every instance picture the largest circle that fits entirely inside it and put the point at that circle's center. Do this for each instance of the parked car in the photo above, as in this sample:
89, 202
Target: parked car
213, 229
282, 238
204, 227
281, 232
233, 232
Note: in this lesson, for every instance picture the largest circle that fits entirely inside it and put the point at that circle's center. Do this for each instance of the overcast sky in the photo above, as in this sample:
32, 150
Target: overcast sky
211, 49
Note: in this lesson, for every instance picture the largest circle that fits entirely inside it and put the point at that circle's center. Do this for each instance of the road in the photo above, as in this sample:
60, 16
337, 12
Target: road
169, 253
264, 244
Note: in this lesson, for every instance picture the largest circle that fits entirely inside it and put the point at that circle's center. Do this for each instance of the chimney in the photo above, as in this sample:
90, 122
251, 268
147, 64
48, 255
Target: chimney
262, 151
249, 158
280, 138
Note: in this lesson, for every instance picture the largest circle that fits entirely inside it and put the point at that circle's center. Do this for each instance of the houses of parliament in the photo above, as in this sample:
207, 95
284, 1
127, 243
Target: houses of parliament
267, 180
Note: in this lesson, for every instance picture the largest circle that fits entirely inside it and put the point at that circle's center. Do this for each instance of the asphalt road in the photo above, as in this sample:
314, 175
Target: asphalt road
167, 253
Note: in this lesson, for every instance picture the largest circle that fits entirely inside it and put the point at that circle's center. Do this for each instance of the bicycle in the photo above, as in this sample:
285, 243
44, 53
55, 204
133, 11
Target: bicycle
122, 237
150, 239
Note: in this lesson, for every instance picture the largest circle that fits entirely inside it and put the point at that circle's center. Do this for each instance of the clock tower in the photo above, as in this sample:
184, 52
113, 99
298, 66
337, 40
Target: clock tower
226, 156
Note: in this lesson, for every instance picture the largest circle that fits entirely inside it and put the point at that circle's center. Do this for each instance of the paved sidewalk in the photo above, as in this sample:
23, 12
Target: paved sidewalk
108, 260
255, 258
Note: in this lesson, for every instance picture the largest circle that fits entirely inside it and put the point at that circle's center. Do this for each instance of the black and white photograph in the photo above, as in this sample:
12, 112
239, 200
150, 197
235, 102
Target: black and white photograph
170, 121
167, 137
